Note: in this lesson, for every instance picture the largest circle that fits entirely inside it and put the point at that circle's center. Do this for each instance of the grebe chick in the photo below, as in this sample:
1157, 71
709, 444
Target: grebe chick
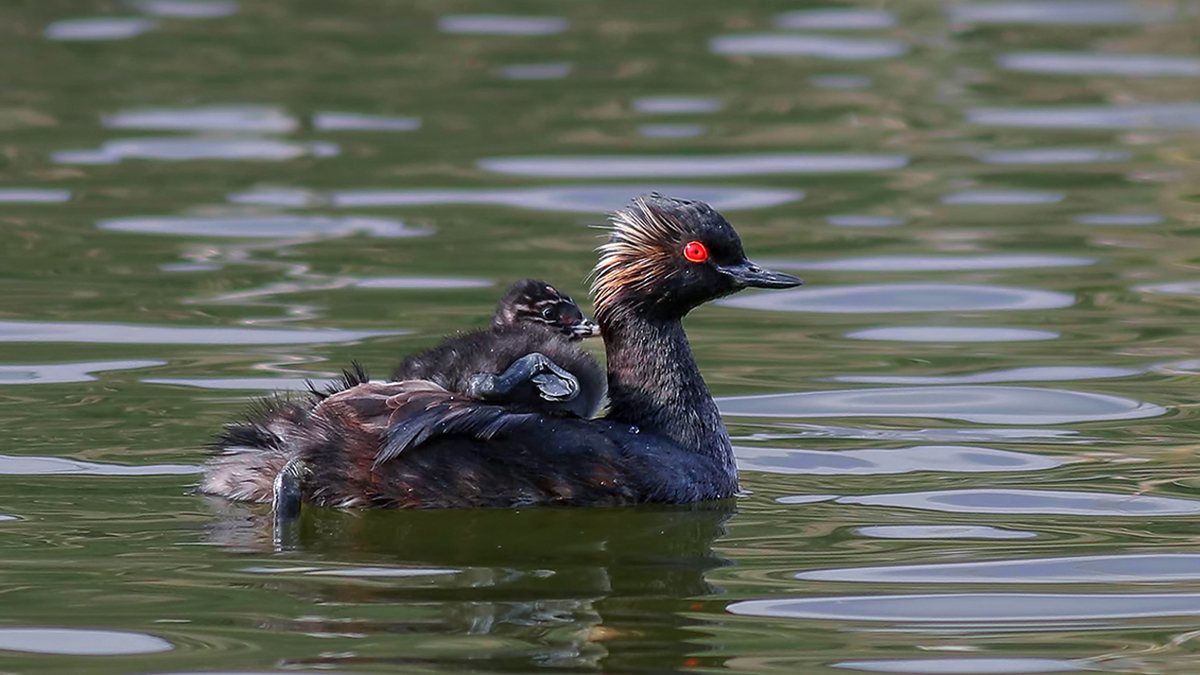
526, 359
662, 439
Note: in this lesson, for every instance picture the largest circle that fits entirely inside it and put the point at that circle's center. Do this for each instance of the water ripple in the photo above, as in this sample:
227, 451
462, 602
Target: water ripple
33, 196
671, 130
1029, 374
1000, 501
100, 28
567, 198
1084, 63
188, 9
536, 71
1046, 156
975, 665
836, 19
1003, 197
676, 105
875, 461
339, 121
66, 372
80, 642
819, 46
934, 263
665, 166
499, 24
247, 118
942, 532
360, 572
1147, 116
864, 221
1098, 569
892, 298
1039, 608
263, 227
950, 334
17, 465
244, 383
193, 149
123, 333
1060, 12
1133, 219
979, 404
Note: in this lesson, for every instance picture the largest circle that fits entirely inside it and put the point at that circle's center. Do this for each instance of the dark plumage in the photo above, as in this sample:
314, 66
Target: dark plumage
662, 440
533, 317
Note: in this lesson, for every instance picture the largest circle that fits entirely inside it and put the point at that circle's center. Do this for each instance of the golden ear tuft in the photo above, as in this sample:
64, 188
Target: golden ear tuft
642, 240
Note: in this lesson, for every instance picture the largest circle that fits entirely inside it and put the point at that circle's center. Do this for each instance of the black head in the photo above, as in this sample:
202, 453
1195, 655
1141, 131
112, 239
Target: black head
537, 302
666, 256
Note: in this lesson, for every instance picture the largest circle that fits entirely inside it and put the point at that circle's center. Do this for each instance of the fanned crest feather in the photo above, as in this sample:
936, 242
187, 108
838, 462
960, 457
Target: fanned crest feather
641, 240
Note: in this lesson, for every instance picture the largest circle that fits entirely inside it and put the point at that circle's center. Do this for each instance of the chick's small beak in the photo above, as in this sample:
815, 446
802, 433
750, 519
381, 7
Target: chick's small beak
586, 328
747, 274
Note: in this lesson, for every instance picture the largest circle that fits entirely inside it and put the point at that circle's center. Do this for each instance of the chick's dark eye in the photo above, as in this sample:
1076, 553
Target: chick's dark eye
548, 313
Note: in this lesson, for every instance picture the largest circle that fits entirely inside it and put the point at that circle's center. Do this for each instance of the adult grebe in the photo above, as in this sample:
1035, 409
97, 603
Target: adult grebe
662, 440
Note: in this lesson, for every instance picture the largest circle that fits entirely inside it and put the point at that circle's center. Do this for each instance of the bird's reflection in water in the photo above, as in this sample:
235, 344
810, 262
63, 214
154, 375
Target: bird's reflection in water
554, 588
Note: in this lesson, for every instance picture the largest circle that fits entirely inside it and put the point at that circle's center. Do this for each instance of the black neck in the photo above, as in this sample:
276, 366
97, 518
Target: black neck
654, 384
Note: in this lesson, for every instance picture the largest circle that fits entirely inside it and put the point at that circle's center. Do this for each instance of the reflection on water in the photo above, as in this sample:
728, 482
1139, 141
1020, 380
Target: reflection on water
335, 121
495, 24
676, 105
942, 532
192, 149
1061, 12
998, 197
864, 221
187, 9
11, 465
954, 458
890, 298
569, 198
66, 372
917, 263
1034, 502
1040, 609
951, 334
80, 642
967, 666
259, 227
685, 166
1148, 116
1134, 219
245, 383
836, 19
363, 572
1029, 374
819, 46
1053, 156
1081, 63
537, 71
422, 282
115, 333
1141, 567
251, 119
671, 130
100, 28
33, 196
983, 405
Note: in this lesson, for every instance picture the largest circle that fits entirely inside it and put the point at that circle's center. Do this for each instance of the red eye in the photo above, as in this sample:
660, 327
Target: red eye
695, 252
